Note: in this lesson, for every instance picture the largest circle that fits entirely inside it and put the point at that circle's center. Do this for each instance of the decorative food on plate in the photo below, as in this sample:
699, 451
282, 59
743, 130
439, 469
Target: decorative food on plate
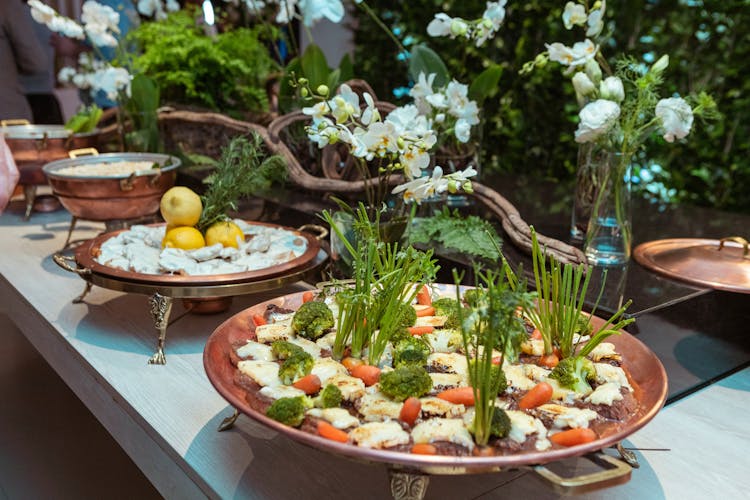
107, 169
390, 361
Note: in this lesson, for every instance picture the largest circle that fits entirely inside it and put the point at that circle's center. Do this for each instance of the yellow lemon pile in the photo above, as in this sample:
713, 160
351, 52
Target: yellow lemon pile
181, 208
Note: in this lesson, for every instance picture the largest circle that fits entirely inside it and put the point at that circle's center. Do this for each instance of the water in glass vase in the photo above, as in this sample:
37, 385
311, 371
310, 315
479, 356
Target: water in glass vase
608, 242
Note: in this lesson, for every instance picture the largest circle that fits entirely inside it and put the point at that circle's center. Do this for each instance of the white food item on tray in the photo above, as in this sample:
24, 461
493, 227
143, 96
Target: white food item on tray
107, 169
523, 425
605, 350
264, 373
516, 377
272, 332
281, 391
378, 407
267, 247
379, 435
308, 346
451, 430
337, 417
567, 416
608, 373
533, 347
536, 372
436, 407
351, 388
256, 350
325, 368
449, 362
605, 394
442, 381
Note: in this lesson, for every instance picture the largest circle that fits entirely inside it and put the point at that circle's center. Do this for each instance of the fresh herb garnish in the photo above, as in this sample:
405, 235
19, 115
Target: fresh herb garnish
243, 168
471, 235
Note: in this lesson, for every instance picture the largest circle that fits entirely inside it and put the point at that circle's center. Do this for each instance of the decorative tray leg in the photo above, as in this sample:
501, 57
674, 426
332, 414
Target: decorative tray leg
29, 194
161, 306
408, 485
73, 222
85, 292
228, 422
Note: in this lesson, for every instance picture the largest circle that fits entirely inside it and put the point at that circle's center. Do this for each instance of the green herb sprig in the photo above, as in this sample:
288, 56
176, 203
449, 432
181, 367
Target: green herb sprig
471, 235
243, 169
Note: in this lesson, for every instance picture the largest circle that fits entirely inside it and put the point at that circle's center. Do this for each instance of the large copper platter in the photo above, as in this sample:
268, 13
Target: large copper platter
85, 258
648, 378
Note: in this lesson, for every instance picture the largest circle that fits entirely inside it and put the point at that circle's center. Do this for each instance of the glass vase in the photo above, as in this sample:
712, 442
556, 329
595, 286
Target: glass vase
608, 234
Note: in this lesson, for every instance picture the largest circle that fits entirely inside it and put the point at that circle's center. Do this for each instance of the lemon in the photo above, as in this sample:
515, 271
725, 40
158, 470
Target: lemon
224, 232
183, 237
181, 206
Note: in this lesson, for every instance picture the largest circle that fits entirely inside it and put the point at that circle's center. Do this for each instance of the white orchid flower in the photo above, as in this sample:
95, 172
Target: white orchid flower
111, 80
414, 160
578, 55
66, 74
100, 35
463, 176
444, 25
314, 10
583, 84
381, 138
492, 18
422, 187
322, 132
574, 15
462, 129
44, 14
317, 111
345, 104
102, 16
437, 100
597, 118
676, 117
611, 88
287, 8
371, 113
41, 12
596, 20
423, 87
404, 118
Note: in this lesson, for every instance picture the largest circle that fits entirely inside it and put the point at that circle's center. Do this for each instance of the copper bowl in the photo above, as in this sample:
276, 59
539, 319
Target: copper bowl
33, 146
113, 197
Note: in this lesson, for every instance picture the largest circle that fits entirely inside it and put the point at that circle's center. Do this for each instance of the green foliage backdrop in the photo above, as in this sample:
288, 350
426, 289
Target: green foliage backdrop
529, 121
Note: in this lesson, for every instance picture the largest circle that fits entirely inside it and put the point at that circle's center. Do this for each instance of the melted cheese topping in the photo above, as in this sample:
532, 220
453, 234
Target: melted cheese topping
443, 340
608, 373
442, 381
281, 391
566, 416
516, 377
605, 394
523, 425
337, 417
436, 321
256, 350
325, 368
449, 363
436, 407
605, 350
535, 372
533, 347
264, 373
272, 332
379, 435
351, 388
308, 346
451, 430
378, 408
327, 340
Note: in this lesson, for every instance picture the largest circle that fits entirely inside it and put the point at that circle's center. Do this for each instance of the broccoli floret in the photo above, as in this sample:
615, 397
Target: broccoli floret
474, 296
295, 367
497, 374
289, 411
407, 316
574, 373
448, 308
329, 397
445, 340
410, 351
312, 320
405, 382
500, 426
283, 349
584, 326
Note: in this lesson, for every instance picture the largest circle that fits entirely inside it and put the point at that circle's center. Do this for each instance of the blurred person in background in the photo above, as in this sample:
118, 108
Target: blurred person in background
20, 53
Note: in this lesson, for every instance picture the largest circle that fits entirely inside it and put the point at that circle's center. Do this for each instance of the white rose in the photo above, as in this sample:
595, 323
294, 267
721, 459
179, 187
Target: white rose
583, 84
574, 15
597, 118
611, 88
676, 117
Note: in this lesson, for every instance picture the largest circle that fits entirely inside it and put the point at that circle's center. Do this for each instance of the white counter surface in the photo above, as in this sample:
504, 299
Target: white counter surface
165, 417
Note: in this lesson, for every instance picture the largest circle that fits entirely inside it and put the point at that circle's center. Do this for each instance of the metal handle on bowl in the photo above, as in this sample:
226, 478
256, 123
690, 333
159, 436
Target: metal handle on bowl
17, 121
63, 261
737, 239
319, 231
75, 153
614, 472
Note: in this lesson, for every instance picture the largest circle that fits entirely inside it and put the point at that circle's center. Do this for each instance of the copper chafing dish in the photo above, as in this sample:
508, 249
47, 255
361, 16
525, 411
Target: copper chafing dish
33, 146
203, 293
409, 473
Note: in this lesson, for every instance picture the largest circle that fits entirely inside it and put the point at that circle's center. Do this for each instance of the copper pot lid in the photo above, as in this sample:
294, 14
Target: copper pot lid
721, 264
22, 129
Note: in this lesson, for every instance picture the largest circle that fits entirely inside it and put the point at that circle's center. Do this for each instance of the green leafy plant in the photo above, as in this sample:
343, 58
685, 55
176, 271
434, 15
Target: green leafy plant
471, 235
227, 72
243, 168
142, 132
490, 324
85, 120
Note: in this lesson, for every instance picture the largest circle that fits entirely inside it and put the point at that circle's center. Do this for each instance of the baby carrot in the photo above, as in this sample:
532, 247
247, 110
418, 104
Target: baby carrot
259, 320
424, 449
350, 363
426, 311
410, 410
307, 296
458, 395
328, 431
538, 395
367, 373
310, 384
573, 437
549, 360
421, 330
424, 297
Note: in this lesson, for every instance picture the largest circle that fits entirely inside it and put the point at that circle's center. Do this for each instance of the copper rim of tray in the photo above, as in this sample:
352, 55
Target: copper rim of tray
648, 378
719, 264
84, 256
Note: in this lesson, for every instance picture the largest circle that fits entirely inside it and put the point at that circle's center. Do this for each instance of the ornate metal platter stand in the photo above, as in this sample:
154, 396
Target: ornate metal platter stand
410, 473
721, 264
212, 292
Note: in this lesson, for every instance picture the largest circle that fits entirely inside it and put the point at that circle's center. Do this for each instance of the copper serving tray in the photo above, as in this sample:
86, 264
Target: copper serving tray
85, 258
648, 378
720, 264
